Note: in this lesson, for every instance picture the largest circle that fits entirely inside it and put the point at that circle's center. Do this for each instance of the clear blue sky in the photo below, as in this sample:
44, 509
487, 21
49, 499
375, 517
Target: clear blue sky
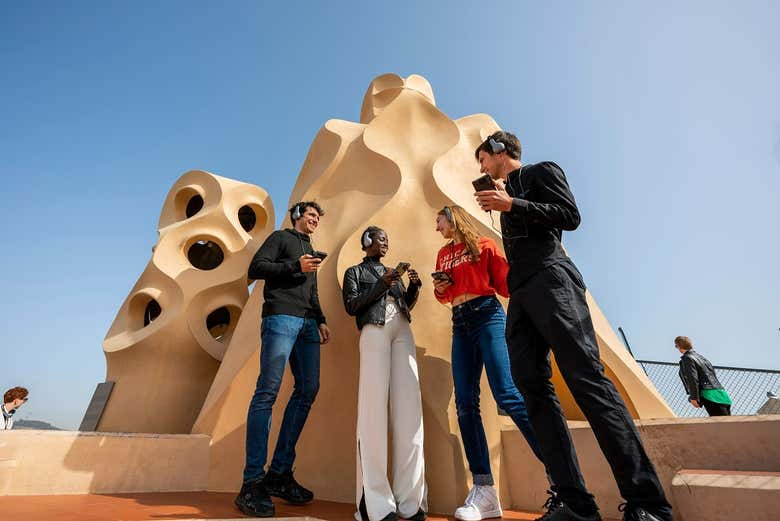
665, 116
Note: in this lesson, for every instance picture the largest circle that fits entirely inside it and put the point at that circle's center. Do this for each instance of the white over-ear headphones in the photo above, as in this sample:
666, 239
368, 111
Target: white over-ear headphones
366, 240
296, 212
496, 146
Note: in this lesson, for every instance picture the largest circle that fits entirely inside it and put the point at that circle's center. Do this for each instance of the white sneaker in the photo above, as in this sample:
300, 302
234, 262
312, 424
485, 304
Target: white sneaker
481, 503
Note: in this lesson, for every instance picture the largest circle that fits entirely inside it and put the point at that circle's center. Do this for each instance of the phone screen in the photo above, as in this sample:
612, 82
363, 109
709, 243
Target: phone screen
402, 267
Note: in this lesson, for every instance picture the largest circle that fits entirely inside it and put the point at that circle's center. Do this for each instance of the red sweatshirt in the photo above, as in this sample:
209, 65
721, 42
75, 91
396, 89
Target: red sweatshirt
486, 277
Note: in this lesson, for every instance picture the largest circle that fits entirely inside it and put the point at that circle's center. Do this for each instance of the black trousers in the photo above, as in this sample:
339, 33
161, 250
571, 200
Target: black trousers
549, 311
716, 409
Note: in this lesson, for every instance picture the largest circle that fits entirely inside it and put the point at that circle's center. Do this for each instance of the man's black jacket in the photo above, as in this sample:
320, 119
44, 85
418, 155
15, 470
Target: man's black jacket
287, 291
542, 207
697, 373
364, 292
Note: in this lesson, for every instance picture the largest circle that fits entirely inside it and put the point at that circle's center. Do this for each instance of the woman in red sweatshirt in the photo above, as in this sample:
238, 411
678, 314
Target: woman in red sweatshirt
471, 270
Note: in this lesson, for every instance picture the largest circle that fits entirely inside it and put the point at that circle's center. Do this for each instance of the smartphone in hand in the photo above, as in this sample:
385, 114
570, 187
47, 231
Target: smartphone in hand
402, 267
319, 254
483, 183
442, 276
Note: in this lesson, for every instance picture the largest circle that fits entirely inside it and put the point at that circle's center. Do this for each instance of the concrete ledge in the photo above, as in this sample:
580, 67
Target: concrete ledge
731, 443
725, 496
64, 462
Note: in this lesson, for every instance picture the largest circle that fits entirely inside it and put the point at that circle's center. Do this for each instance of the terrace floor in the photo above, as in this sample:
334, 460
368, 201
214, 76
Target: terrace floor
178, 506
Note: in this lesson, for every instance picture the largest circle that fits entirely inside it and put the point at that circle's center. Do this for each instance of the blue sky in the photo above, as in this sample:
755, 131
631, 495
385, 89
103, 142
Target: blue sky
665, 117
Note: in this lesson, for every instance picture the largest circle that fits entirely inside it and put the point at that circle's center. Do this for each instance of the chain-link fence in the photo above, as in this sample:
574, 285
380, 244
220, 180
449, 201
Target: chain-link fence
748, 388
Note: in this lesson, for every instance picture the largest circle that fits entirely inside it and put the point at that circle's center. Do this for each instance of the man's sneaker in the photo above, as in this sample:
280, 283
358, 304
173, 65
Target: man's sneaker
481, 503
640, 514
253, 500
284, 486
557, 510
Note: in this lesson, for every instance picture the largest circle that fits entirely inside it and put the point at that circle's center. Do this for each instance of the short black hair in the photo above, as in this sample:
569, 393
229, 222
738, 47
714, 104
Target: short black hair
372, 232
305, 205
512, 145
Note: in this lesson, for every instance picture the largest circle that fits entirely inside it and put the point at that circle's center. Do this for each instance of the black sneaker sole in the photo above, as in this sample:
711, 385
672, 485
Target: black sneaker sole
253, 513
291, 501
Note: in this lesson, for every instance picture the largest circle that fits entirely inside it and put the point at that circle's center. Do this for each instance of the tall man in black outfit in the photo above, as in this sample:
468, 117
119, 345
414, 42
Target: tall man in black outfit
547, 310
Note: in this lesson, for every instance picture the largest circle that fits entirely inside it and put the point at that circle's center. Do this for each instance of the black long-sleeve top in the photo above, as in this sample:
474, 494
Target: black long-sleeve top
287, 291
542, 207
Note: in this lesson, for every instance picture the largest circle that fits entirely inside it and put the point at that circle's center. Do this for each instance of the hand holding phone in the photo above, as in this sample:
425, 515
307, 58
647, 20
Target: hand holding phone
390, 276
309, 263
441, 281
319, 254
442, 276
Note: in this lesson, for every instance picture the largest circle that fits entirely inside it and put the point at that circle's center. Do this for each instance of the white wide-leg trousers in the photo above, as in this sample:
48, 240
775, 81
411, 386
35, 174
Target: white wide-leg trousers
388, 369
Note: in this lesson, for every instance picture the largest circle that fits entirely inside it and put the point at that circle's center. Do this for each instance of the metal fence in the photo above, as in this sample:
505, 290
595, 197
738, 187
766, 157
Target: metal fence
748, 388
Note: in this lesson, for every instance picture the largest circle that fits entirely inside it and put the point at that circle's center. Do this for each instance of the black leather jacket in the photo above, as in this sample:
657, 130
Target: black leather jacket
697, 373
364, 293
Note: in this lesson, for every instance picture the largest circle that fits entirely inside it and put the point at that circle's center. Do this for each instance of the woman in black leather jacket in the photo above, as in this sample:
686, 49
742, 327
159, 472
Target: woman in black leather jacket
377, 297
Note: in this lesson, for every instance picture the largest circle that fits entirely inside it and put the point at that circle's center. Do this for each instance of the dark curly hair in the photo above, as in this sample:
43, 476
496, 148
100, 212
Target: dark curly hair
513, 147
372, 231
15, 393
305, 205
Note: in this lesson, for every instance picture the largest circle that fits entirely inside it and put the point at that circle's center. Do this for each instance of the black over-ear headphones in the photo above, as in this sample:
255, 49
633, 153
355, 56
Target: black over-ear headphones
366, 240
496, 146
297, 213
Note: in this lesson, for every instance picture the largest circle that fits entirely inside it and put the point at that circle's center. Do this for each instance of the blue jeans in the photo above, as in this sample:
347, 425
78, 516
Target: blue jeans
478, 339
283, 337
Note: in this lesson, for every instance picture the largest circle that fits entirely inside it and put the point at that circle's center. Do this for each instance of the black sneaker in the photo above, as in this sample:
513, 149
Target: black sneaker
419, 516
285, 487
392, 516
253, 500
557, 510
640, 514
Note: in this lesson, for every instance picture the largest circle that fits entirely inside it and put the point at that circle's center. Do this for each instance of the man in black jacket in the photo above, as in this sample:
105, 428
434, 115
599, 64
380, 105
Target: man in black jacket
700, 382
548, 310
293, 328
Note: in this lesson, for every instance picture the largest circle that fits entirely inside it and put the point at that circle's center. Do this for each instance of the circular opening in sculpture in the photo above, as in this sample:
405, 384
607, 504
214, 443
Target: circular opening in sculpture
188, 202
253, 218
205, 254
151, 312
218, 323
143, 309
247, 217
194, 205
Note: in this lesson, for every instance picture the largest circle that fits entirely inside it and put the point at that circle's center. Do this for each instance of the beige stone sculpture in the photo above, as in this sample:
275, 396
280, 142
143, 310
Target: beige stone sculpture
395, 169
170, 335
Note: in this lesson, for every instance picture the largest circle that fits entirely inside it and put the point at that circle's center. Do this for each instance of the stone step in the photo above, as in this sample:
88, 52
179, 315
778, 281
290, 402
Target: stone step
722, 495
65, 462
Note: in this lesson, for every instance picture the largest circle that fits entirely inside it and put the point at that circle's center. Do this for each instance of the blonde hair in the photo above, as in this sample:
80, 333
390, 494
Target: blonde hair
464, 227
684, 343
